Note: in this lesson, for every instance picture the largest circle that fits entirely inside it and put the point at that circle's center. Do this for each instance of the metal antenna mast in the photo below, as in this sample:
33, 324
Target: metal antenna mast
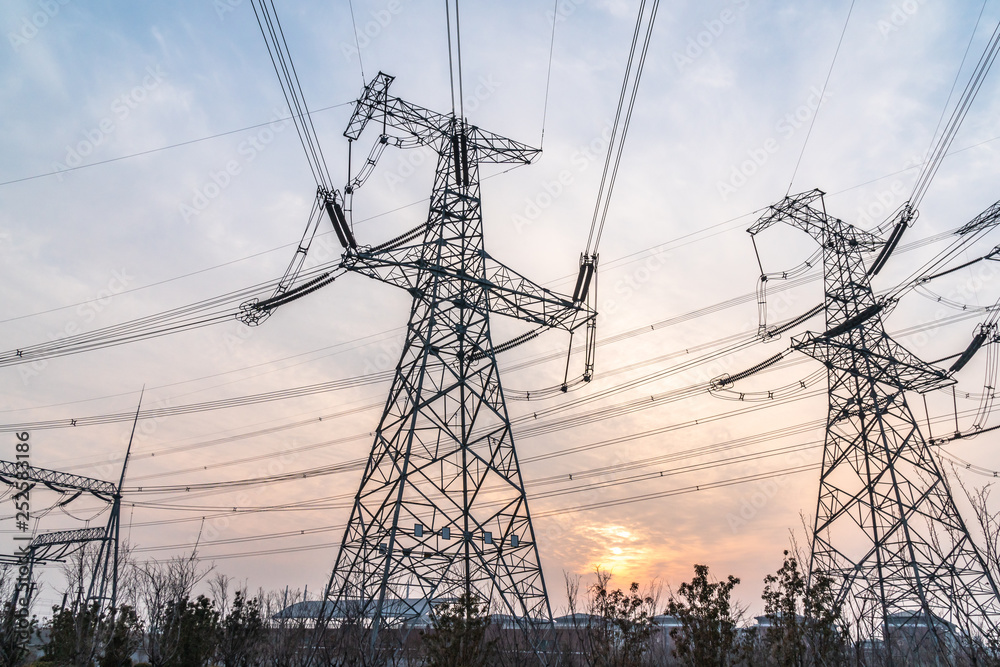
887, 531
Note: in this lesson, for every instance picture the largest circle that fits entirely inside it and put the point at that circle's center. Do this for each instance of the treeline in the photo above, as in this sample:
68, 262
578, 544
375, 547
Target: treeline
699, 625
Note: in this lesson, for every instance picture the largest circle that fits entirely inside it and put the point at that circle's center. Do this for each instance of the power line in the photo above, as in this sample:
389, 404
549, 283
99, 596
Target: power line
940, 148
548, 71
162, 148
822, 96
619, 129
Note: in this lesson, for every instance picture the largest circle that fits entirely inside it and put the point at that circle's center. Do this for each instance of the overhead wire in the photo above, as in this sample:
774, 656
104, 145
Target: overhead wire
822, 96
178, 144
175, 320
451, 66
611, 391
576, 475
357, 43
619, 129
954, 83
291, 88
548, 71
603, 413
943, 142
458, 48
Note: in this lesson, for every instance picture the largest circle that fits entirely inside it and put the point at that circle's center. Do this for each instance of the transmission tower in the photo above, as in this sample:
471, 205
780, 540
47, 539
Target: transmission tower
441, 511
55, 546
887, 533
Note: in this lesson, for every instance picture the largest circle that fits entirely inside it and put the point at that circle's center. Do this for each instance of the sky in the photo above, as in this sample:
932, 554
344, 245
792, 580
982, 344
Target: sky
146, 163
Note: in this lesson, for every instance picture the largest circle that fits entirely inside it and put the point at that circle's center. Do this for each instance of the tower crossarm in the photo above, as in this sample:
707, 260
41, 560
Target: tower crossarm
889, 362
55, 480
514, 295
494, 148
985, 220
67, 536
508, 292
57, 544
431, 128
828, 231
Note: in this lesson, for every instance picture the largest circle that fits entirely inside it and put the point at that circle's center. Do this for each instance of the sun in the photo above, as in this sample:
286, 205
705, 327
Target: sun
621, 550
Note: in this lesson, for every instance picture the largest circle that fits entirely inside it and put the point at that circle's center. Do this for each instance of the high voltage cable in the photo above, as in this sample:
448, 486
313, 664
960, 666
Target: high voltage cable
378, 377
562, 511
943, 142
347, 345
187, 317
291, 88
619, 129
346, 467
539, 428
307, 530
822, 96
554, 493
183, 318
603, 413
211, 406
954, 84
164, 148
548, 71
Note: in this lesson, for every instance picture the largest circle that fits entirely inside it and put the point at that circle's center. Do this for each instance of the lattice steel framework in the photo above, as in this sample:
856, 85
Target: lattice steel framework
441, 510
55, 546
887, 530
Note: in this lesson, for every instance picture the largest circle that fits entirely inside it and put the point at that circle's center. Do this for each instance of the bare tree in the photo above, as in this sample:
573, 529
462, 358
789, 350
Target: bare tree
162, 586
617, 629
241, 624
287, 637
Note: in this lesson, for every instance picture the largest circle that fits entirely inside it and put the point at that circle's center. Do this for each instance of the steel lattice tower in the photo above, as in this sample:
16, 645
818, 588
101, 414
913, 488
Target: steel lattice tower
441, 510
887, 531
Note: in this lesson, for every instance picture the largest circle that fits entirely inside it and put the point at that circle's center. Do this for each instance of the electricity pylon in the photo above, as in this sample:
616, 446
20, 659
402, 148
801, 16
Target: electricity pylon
55, 546
442, 511
887, 532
